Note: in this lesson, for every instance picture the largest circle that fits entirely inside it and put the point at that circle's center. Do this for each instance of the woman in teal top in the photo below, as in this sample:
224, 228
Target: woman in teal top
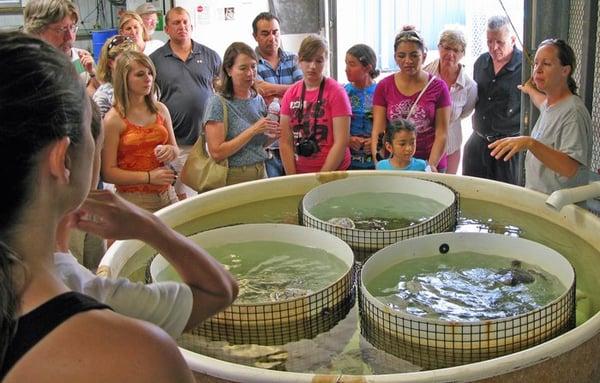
361, 63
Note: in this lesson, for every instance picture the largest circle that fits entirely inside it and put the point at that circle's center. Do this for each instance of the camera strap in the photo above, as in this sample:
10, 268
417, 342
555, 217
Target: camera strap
312, 131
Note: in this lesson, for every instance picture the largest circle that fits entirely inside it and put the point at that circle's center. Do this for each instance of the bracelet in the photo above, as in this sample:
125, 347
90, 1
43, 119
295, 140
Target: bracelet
148, 173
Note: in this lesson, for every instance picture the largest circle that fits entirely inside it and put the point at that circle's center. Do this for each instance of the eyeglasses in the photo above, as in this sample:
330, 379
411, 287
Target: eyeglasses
118, 40
450, 48
62, 30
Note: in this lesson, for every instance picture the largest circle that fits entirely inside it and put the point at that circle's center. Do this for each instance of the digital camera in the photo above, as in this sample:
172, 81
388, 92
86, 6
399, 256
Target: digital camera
308, 146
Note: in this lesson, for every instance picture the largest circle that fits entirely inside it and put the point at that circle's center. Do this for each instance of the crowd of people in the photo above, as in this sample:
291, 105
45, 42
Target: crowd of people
133, 119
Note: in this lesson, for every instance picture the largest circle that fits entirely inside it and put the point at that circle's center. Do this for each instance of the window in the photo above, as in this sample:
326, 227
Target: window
376, 23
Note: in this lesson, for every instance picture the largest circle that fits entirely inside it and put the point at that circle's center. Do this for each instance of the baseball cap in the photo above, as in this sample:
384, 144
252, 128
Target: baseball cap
146, 8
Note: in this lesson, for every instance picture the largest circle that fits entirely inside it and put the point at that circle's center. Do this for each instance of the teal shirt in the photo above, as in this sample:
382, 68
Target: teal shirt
415, 164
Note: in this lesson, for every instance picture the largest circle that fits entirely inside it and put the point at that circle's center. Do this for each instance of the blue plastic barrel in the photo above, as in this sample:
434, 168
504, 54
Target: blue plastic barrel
98, 39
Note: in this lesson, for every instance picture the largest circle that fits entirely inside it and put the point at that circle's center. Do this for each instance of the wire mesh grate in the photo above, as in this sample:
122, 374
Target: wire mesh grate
282, 322
366, 242
437, 344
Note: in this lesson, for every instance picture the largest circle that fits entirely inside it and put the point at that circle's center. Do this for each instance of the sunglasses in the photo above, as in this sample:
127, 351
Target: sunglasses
409, 36
118, 40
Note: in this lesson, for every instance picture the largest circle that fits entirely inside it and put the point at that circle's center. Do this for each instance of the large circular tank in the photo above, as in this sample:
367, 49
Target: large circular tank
287, 318
432, 208
433, 342
571, 357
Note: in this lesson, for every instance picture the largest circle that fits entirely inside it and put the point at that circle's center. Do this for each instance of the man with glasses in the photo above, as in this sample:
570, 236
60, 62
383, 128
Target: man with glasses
55, 21
498, 109
277, 71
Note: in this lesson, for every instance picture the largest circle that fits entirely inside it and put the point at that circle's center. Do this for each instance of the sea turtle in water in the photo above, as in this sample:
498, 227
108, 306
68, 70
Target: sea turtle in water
344, 222
515, 275
288, 293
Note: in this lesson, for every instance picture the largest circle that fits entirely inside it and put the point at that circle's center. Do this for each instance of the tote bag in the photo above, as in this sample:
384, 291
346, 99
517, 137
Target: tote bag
200, 171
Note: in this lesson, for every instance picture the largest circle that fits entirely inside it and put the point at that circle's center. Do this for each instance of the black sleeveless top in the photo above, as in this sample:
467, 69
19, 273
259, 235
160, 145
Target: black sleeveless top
35, 325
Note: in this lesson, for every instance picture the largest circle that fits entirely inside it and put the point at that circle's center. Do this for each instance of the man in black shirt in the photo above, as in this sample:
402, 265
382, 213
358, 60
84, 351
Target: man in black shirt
498, 108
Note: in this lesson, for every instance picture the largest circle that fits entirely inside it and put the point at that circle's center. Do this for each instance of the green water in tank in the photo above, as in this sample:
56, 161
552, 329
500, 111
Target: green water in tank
464, 287
343, 350
272, 271
378, 211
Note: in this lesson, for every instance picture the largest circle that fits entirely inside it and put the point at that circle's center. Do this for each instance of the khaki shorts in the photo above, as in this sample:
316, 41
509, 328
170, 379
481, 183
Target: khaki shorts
151, 201
180, 187
241, 174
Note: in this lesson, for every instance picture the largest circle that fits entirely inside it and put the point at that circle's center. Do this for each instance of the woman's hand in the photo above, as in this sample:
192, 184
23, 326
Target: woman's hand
509, 146
273, 130
162, 176
366, 142
109, 216
166, 153
263, 125
356, 143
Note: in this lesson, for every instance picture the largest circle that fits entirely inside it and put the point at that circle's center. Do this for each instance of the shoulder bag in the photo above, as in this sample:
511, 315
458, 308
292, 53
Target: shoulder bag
200, 171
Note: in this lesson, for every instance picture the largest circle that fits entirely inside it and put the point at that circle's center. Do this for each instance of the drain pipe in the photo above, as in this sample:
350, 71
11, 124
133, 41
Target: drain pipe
563, 197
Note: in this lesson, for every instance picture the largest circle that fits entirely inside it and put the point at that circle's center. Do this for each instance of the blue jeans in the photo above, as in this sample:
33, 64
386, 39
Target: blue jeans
274, 165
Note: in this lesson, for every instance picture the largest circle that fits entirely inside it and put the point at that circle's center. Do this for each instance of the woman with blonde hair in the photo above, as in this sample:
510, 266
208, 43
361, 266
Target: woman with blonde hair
315, 116
112, 48
139, 141
132, 25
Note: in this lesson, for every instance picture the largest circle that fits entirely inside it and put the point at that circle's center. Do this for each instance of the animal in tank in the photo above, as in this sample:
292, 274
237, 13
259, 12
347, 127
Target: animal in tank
516, 274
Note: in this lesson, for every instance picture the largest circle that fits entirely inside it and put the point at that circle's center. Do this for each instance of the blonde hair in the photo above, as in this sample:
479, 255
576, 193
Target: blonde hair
310, 47
128, 16
38, 14
121, 88
110, 50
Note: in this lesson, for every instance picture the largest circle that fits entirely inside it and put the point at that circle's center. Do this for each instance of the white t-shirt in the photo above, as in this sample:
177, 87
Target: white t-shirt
152, 45
166, 304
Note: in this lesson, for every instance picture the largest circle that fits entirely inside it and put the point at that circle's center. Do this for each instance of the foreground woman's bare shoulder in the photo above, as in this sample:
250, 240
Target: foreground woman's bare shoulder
101, 346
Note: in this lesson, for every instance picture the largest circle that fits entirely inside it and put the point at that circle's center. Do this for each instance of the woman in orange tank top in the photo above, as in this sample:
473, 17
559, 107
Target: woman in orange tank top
139, 140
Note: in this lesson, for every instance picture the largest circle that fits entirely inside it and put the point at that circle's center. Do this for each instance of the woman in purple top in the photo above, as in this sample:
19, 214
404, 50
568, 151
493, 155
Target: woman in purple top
397, 96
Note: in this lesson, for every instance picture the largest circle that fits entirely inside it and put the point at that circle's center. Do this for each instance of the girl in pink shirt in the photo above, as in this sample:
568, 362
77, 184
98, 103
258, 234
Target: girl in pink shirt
315, 117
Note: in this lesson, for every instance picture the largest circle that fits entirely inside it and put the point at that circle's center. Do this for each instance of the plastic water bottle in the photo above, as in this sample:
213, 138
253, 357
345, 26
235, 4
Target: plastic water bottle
273, 113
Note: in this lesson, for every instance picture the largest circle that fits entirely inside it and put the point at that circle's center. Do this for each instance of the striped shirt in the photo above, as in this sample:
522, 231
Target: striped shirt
287, 72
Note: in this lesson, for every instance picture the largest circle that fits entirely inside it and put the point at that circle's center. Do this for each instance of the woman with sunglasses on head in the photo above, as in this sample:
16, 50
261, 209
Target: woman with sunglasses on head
560, 146
416, 95
112, 48
361, 70
139, 141
132, 25
49, 333
315, 116
463, 90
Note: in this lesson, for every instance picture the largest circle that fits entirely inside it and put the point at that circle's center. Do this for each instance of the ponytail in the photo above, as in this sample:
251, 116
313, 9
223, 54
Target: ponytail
9, 300
572, 84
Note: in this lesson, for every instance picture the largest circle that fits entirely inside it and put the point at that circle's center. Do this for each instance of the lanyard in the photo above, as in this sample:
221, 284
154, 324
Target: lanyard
317, 105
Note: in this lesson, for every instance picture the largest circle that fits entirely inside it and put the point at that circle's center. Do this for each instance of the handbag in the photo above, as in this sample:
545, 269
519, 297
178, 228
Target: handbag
200, 171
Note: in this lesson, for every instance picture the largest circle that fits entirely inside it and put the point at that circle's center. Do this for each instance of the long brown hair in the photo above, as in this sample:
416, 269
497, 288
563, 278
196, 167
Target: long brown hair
41, 101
